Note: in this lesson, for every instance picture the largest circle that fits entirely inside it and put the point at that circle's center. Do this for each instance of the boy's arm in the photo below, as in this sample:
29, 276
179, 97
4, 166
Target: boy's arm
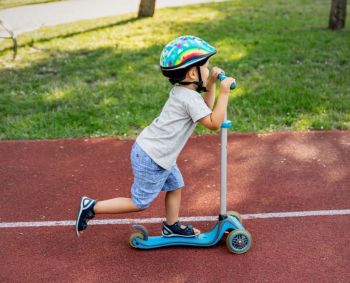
209, 96
214, 120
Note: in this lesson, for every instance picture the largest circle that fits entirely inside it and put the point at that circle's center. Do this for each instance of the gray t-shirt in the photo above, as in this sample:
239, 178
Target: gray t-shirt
165, 137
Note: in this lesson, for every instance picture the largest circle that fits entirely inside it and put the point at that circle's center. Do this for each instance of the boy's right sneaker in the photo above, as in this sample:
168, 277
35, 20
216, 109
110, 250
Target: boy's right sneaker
85, 213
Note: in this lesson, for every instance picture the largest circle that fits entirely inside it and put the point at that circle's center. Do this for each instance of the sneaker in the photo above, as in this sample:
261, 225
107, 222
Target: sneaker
175, 230
85, 213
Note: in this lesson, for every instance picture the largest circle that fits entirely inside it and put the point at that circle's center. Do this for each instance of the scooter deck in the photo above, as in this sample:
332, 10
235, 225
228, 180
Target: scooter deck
207, 239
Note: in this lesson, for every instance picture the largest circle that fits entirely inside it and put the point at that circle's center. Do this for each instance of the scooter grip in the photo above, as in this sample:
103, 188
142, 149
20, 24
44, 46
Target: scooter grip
222, 77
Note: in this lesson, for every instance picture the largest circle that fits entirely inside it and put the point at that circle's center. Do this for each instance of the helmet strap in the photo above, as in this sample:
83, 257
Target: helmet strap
200, 87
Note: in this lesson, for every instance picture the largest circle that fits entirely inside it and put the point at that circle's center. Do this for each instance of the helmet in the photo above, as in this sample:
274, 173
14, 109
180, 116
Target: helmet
183, 53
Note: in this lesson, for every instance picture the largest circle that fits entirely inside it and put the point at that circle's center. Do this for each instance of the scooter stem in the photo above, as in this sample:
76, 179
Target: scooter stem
224, 128
223, 186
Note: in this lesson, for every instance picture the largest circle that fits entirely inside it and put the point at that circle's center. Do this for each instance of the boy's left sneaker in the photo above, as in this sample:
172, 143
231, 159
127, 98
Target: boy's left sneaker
85, 213
176, 230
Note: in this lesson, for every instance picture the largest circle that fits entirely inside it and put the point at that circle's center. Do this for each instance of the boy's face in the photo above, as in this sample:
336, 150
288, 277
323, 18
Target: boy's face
192, 74
205, 72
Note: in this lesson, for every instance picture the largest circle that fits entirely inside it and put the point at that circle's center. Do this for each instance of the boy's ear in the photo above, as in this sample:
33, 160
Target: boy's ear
192, 73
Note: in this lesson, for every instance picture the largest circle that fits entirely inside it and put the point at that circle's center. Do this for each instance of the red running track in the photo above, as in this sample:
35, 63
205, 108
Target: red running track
280, 172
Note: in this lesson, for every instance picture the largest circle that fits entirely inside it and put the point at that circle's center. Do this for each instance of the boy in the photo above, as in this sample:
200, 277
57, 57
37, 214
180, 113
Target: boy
153, 157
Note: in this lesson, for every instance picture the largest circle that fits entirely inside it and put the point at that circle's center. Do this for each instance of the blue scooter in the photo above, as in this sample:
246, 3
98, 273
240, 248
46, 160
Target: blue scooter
238, 240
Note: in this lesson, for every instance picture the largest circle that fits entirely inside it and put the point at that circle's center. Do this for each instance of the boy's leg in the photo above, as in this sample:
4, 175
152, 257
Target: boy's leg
89, 207
172, 208
116, 205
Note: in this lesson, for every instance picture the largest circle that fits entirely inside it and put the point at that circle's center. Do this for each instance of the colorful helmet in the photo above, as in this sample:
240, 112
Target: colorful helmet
183, 52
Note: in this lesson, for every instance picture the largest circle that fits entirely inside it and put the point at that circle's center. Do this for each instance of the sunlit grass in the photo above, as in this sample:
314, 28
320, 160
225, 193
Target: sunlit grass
102, 77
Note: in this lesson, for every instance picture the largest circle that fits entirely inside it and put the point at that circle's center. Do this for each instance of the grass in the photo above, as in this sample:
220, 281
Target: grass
5, 4
101, 78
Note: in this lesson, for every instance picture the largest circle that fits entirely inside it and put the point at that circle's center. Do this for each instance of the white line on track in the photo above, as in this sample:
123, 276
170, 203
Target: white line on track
184, 219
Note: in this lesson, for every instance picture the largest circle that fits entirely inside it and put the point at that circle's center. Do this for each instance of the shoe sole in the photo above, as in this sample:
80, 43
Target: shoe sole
80, 209
177, 235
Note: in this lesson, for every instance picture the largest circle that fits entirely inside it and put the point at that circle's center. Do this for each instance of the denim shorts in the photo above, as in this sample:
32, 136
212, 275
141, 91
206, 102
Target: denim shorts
150, 178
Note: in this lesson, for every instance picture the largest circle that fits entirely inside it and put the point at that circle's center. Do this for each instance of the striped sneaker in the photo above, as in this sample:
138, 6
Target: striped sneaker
85, 213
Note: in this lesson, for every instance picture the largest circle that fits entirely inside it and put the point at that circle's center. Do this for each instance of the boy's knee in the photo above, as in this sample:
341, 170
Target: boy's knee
140, 206
139, 209
143, 207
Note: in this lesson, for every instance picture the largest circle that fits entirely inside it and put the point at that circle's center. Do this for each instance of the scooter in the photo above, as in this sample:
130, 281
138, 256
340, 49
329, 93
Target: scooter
238, 240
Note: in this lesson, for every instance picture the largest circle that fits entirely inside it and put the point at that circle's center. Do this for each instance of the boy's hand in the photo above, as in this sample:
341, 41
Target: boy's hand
215, 71
226, 84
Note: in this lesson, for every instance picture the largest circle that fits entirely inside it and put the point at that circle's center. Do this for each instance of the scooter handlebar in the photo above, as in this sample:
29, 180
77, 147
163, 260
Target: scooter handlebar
222, 77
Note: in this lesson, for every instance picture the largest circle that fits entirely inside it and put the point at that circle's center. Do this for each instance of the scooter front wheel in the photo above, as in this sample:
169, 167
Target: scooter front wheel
133, 236
236, 215
239, 241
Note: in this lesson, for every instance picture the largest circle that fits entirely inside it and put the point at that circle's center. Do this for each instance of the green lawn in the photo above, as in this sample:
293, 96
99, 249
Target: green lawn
4, 4
101, 77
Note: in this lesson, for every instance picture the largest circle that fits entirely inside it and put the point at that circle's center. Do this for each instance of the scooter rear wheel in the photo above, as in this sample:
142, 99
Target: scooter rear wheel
133, 236
239, 241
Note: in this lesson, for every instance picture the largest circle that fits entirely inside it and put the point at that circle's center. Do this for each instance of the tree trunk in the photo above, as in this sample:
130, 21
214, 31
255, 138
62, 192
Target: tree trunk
337, 15
146, 8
